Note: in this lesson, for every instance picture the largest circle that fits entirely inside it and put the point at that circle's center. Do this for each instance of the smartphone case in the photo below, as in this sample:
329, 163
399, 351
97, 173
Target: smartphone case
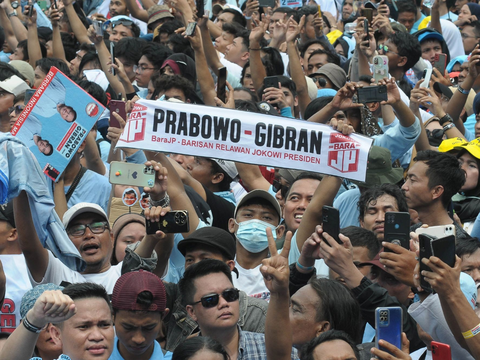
380, 67
331, 222
437, 231
389, 326
444, 249
440, 62
123, 173
425, 243
441, 351
173, 222
397, 228
371, 94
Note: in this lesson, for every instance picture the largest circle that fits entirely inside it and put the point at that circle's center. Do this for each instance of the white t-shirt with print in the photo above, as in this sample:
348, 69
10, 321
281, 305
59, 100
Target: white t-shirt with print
251, 282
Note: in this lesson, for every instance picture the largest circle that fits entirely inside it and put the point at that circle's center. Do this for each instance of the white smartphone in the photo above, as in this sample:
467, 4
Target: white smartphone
426, 75
437, 231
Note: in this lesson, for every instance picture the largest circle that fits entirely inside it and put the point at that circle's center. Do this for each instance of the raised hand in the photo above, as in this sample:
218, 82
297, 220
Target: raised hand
159, 189
51, 307
293, 28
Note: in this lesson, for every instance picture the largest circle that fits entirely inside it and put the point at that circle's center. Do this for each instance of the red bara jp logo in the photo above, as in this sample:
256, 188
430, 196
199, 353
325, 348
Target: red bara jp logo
343, 153
135, 126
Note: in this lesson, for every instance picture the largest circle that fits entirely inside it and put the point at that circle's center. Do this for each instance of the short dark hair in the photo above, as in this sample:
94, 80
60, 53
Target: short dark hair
476, 27
407, 45
156, 53
232, 28
466, 247
223, 185
167, 82
308, 43
307, 10
237, 17
181, 45
284, 82
133, 27
338, 307
89, 58
203, 268
406, 6
330, 335
130, 192
331, 57
444, 170
372, 194
170, 26
188, 348
130, 49
86, 290
316, 105
245, 35
94, 90
254, 97
24, 46
360, 237
272, 59
46, 63
7, 71
289, 12
70, 45
302, 176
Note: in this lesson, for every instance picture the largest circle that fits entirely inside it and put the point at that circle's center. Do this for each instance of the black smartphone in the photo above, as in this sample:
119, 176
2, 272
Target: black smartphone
28, 95
173, 222
444, 249
397, 229
200, 5
365, 28
425, 243
30, 9
98, 27
270, 81
267, 3
331, 222
112, 55
54, 4
368, 13
371, 94
190, 30
221, 83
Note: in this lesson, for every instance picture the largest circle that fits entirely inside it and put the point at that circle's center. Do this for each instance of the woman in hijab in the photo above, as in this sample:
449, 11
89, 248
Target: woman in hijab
180, 64
466, 14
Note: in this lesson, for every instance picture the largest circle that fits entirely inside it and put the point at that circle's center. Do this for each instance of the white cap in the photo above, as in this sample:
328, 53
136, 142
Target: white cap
259, 194
227, 166
14, 85
81, 208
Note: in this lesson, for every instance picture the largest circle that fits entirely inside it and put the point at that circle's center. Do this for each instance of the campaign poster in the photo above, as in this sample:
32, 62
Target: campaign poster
56, 121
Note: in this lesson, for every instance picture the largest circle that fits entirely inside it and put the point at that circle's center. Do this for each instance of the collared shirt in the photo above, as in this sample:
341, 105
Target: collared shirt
251, 346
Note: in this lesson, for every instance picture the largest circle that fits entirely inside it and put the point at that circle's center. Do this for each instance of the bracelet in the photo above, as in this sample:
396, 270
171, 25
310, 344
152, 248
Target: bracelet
305, 268
448, 126
463, 91
471, 333
162, 202
30, 327
258, 49
248, 17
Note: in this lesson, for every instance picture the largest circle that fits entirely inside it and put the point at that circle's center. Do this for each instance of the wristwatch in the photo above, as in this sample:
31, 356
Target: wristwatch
445, 119
15, 4
13, 13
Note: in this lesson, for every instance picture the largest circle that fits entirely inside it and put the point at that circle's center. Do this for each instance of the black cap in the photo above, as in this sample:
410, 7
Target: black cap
442, 89
211, 236
6, 213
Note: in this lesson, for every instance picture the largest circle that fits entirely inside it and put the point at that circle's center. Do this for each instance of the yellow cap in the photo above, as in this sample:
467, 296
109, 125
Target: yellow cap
332, 36
453, 143
473, 147
424, 23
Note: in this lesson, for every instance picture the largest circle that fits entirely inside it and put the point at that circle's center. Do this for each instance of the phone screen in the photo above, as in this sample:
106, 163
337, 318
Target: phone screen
222, 82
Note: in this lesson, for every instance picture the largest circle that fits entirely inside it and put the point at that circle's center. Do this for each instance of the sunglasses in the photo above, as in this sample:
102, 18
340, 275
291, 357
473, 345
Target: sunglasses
385, 49
18, 109
122, 22
277, 186
435, 134
211, 300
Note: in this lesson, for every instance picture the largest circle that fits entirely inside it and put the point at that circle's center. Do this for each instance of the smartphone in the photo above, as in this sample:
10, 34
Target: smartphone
270, 81
42, 4
54, 4
173, 222
117, 106
267, 3
221, 83
394, 3
371, 94
123, 173
380, 67
425, 252
28, 95
444, 249
190, 30
437, 231
112, 55
98, 26
368, 13
331, 222
427, 74
389, 326
30, 9
365, 28
440, 63
397, 229
440, 351
200, 5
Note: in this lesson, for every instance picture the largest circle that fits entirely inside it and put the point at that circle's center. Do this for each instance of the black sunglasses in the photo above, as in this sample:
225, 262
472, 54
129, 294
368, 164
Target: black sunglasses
277, 186
435, 134
211, 300
18, 109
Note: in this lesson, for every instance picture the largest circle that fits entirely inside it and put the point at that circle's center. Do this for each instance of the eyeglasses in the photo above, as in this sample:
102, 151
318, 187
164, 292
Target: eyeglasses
466, 36
142, 68
278, 186
122, 22
211, 300
97, 228
18, 109
385, 50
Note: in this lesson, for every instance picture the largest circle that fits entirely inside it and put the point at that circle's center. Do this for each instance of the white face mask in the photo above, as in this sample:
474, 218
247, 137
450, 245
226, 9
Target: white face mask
252, 235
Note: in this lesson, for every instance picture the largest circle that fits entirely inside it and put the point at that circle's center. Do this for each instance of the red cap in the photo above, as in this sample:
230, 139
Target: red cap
129, 285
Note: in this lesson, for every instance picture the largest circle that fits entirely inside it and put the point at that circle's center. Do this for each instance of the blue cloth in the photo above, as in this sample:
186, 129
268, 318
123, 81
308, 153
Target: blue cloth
104, 147
53, 95
417, 24
156, 355
459, 59
470, 124
19, 166
449, 16
347, 205
227, 195
469, 135
476, 228
31, 127
42, 19
287, 112
4, 57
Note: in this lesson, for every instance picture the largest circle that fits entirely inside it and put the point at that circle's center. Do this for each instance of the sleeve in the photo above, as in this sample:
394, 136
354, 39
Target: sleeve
137, 158
298, 279
370, 296
294, 251
476, 228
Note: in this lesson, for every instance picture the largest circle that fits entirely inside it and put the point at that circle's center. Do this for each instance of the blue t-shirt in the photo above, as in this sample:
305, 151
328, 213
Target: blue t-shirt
156, 355
417, 24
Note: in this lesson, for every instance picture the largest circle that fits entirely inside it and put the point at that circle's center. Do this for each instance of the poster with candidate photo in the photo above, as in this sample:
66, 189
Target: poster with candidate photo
56, 121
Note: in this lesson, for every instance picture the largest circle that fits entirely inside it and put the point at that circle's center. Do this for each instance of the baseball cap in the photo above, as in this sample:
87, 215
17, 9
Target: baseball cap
213, 237
227, 166
14, 85
334, 73
442, 89
6, 213
157, 12
131, 284
473, 147
452, 143
430, 35
259, 194
82, 208
375, 261
289, 174
124, 220
25, 69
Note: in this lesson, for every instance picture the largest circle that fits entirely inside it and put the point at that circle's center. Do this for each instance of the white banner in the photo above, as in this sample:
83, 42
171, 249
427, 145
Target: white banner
245, 137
